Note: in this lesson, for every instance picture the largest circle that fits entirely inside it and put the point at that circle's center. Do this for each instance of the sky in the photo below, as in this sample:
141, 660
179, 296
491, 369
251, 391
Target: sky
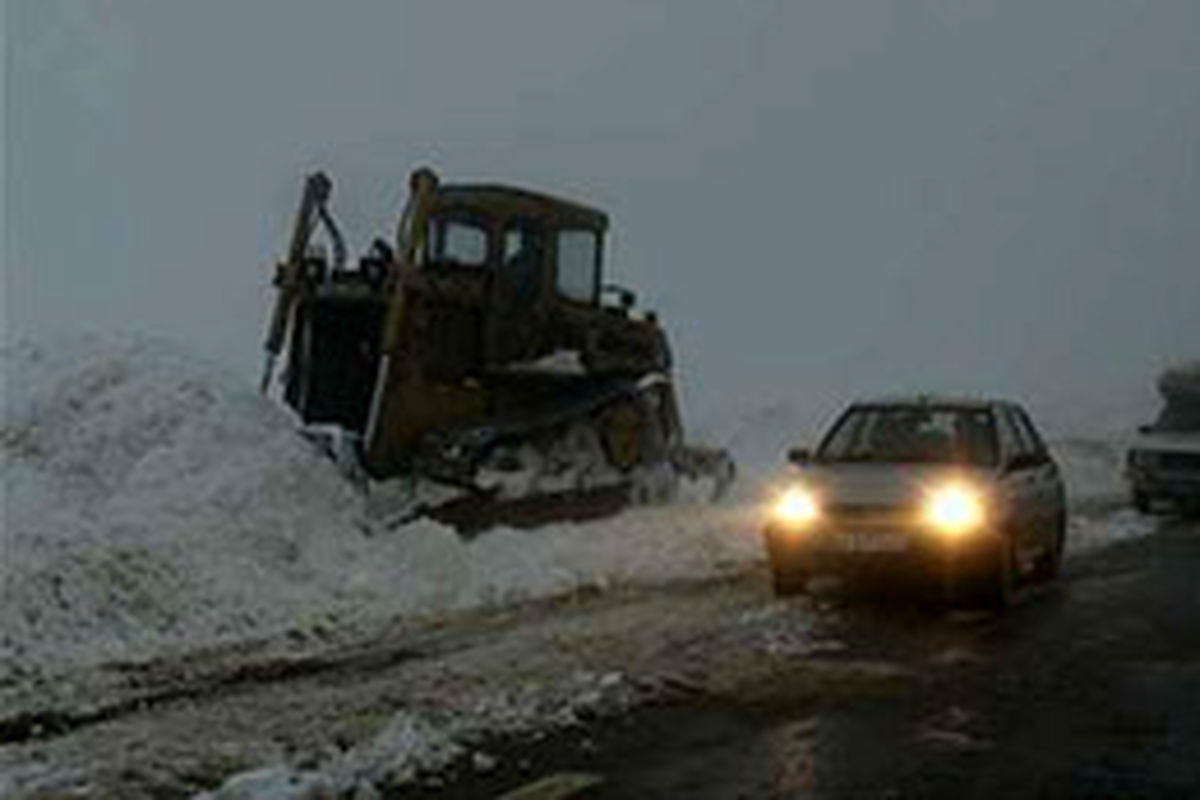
822, 199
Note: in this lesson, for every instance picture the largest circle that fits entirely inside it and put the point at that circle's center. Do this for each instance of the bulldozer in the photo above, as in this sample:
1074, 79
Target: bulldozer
480, 349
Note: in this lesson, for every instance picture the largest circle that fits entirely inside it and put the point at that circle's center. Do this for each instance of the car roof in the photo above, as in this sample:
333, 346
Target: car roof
966, 402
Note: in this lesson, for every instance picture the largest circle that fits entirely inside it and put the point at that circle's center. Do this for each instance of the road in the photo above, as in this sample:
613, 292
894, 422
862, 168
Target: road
1089, 688
710, 689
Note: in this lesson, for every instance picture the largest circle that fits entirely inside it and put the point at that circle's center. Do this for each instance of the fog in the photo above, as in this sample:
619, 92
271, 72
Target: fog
822, 199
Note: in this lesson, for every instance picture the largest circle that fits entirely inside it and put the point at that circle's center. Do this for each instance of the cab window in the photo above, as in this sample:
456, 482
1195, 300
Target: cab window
457, 241
577, 264
524, 244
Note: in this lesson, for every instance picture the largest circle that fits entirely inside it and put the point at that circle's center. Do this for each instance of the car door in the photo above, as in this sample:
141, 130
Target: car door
1020, 481
1050, 497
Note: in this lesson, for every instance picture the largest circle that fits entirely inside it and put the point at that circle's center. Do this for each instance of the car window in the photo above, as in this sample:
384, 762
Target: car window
1025, 445
1180, 414
977, 431
1026, 426
912, 433
1010, 443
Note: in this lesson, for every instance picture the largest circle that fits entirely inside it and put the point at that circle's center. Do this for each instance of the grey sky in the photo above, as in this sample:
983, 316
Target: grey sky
822, 197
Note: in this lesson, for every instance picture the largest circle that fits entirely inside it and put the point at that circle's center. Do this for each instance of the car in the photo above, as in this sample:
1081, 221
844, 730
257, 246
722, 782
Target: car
963, 490
1163, 463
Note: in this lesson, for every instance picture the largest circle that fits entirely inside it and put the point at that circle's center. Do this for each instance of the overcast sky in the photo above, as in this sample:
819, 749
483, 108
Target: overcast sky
822, 198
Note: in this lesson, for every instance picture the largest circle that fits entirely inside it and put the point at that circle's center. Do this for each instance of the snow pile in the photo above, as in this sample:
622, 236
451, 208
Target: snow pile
1093, 471
150, 497
1098, 494
408, 745
155, 501
1088, 533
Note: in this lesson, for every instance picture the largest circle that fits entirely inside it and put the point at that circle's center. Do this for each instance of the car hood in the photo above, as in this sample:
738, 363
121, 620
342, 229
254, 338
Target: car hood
1168, 442
885, 485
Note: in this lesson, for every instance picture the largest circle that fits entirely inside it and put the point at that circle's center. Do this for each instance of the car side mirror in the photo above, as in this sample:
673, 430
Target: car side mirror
800, 456
1145, 429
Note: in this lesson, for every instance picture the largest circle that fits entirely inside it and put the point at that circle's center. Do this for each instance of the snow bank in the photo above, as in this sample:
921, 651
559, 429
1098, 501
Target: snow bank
155, 501
151, 498
1093, 470
1088, 533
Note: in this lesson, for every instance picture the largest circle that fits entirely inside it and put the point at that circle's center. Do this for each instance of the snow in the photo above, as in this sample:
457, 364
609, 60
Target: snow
1088, 533
560, 362
275, 783
411, 744
407, 745
152, 499
157, 502
1093, 470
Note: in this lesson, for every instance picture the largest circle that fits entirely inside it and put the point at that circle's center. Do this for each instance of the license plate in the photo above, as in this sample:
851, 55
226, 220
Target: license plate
886, 542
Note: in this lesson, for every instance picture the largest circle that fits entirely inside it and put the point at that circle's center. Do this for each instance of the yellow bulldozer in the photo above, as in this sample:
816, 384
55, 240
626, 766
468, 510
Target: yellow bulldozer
481, 349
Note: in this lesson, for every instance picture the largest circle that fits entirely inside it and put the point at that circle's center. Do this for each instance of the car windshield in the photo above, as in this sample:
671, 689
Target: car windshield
906, 433
1180, 415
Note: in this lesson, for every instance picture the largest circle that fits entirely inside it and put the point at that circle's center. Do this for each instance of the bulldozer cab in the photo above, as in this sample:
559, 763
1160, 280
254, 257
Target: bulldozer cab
530, 252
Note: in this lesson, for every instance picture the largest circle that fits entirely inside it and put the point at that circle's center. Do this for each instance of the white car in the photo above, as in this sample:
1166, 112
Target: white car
964, 490
1164, 462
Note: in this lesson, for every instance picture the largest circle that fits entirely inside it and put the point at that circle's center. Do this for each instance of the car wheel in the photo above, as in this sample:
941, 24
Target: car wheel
788, 582
1048, 564
1143, 502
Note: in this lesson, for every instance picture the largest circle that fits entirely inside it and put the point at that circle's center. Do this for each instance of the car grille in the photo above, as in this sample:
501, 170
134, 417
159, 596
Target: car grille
1183, 462
870, 515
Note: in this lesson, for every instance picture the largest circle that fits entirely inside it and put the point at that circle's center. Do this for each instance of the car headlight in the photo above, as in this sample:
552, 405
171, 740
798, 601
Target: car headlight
796, 506
955, 509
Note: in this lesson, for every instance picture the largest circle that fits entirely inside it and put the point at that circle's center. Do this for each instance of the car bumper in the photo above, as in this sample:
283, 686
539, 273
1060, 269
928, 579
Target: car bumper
1166, 484
841, 550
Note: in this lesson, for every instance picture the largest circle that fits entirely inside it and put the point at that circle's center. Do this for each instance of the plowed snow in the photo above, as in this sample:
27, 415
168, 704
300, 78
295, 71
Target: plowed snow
156, 501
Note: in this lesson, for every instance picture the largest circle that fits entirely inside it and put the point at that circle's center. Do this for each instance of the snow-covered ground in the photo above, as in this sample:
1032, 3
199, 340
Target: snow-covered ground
156, 502
157, 506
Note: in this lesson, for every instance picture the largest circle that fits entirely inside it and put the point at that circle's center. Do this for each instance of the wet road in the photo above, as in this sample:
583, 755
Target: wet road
1089, 688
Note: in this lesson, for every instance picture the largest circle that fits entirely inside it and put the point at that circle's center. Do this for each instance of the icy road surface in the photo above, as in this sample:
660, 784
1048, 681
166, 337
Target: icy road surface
378, 707
403, 703
1089, 688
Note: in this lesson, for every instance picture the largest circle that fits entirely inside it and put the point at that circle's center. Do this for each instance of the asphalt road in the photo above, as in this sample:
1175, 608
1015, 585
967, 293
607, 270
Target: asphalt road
1088, 688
